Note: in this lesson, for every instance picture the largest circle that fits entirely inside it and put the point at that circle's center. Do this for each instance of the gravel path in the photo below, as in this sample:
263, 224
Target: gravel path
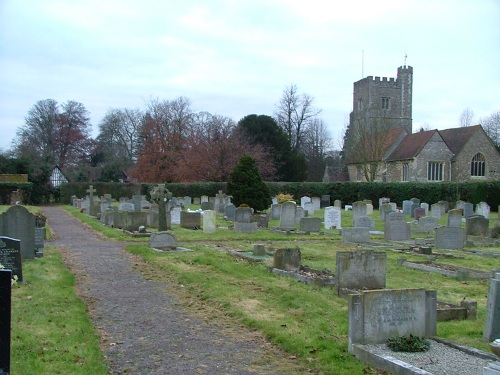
143, 329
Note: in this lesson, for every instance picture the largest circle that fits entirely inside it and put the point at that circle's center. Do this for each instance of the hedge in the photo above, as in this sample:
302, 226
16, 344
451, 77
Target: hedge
6, 188
347, 192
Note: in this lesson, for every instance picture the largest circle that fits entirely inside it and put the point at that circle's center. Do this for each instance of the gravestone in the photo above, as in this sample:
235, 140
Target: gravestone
220, 202
39, 241
287, 218
243, 215
428, 223
385, 209
396, 228
337, 203
446, 205
449, 238
407, 207
275, 211
300, 212
455, 218
203, 199
10, 256
209, 221
259, 249
230, 212
355, 235
262, 220
365, 222
425, 206
196, 201
415, 203
468, 209
491, 330
17, 222
358, 210
245, 227
190, 220
477, 226
304, 200
360, 270
133, 220
437, 210
162, 241
92, 209
188, 201
176, 215
325, 201
418, 212
316, 201
382, 201
205, 206
369, 208
309, 208
333, 217
310, 224
287, 259
126, 206
377, 315
5, 320
483, 209
136, 200
161, 196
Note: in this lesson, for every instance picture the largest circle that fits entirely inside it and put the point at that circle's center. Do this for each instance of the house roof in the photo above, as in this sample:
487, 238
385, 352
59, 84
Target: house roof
411, 145
391, 137
456, 138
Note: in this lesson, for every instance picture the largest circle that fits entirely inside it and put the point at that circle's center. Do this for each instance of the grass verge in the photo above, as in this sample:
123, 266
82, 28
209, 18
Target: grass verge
51, 332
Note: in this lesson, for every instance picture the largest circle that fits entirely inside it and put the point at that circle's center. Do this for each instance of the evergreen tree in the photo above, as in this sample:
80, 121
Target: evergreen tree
246, 185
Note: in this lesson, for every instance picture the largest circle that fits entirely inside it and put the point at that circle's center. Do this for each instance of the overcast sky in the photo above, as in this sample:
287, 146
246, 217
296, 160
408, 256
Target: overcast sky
234, 58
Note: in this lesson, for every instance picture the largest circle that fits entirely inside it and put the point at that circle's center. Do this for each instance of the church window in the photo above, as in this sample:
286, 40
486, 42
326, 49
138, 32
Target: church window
477, 165
385, 103
406, 172
435, 171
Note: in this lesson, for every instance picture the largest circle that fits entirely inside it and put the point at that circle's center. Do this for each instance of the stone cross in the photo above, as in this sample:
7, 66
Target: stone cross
161, 194
91, 192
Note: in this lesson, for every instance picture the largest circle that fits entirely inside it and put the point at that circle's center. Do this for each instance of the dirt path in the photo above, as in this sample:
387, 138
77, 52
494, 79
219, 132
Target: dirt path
143, 329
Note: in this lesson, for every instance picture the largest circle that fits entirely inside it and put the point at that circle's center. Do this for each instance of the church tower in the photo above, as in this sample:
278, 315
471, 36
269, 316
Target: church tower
387, 100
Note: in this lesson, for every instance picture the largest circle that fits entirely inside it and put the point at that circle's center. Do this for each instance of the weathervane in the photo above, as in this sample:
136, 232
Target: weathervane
405, 58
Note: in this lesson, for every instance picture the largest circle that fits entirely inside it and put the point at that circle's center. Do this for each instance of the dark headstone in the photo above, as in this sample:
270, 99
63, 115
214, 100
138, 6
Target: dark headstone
325, 201
10, 256
287, 259
5, 320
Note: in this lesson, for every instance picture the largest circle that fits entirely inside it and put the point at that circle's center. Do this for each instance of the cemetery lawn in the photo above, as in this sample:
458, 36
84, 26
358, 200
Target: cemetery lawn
51, 332
308, 322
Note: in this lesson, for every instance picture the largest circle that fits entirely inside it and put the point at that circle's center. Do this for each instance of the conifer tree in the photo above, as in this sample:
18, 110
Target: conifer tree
246, 185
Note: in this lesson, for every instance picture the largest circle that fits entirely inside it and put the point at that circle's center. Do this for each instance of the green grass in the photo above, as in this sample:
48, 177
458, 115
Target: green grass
51, 332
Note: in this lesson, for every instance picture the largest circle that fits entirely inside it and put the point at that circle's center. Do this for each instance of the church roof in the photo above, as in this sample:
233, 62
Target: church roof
411, 145
456, 138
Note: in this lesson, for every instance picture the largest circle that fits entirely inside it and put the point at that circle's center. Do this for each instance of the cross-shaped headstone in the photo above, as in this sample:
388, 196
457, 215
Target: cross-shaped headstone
91, 192
161, 194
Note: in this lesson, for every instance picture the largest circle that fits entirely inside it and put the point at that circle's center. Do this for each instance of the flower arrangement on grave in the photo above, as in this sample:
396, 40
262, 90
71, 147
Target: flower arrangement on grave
408, 343
284, 197
40, 220
14, 278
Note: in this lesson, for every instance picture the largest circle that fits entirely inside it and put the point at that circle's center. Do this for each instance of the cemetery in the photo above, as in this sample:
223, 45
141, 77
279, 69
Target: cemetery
372, 294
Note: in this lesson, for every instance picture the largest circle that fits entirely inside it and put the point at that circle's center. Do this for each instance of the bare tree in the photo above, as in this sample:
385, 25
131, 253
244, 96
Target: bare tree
317, 141
294, 113
466, 117
365, 144
491, 126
